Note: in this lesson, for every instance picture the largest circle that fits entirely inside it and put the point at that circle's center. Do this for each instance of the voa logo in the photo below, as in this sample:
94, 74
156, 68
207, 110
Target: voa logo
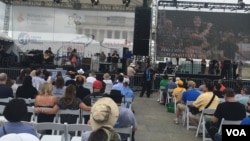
236, 132
23, 38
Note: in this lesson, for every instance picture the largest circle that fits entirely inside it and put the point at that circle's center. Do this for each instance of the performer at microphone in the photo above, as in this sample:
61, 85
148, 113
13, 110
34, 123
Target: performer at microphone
73, 57
48, 56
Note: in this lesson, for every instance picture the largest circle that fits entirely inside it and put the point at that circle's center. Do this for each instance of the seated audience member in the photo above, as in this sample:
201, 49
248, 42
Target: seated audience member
89, 100
80, 73
23, 73
45, 99
67, 77
81, 92
27, 90
47, 76
5, 90
59, 87
190, 95
107, 78
243, 97
37, 80
103, 117
119, 85
177, 92
91, 78
14, 112
11, 83
71, 80
229, 110
202, 85
19, 137
217, 91
126, 117
126, 91
163, 84
221, 82
171, 84
203, 101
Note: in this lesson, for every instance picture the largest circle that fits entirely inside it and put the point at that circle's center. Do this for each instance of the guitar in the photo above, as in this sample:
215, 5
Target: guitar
47, 55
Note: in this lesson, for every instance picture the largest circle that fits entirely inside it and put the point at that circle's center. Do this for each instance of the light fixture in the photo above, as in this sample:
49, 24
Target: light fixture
94, 2
126, 2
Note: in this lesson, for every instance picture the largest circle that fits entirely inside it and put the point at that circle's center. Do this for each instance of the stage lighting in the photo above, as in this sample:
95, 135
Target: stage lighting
94, 2
126, 2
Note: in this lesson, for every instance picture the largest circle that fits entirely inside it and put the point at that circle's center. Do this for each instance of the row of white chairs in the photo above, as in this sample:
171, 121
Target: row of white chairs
60, 132
201, 127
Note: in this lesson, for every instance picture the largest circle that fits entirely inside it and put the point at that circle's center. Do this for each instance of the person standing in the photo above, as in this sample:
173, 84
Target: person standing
148, 76
203, 66
114, 60
240, 66
73, 58
235, 66
127, 55
131, 73
102, 57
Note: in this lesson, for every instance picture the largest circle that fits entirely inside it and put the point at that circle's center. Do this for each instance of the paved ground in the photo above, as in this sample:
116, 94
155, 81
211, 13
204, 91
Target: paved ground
156, 124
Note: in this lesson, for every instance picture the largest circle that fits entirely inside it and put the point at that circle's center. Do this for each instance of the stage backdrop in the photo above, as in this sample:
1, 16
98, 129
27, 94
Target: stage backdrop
2, 12
39, 28
210, 35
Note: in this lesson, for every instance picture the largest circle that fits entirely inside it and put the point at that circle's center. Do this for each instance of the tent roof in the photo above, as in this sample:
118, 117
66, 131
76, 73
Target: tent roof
6, 38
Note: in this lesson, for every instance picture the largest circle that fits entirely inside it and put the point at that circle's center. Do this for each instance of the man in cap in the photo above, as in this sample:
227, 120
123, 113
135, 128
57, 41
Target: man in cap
131, 72
126, 117
89, 100
177, 92
190, 95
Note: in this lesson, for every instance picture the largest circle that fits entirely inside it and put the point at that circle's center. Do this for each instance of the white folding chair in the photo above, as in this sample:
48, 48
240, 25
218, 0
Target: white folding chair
67, 112
108, 88
61, 135
76, 128
228, 122
83, 113
89, 86
185, 116
168, 97
127, 131
161, 92
33, 117
202, 122
174, 99
2, 118
5, 100
29, 123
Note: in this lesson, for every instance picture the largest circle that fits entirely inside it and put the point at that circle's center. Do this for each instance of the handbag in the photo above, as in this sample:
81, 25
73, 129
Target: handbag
195, 110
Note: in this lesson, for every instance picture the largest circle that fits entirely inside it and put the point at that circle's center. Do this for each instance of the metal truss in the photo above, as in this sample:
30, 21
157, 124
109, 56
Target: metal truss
231, 6
73, 5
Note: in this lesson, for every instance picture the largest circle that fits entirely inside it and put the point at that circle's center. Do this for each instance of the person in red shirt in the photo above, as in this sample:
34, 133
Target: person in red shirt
222, 88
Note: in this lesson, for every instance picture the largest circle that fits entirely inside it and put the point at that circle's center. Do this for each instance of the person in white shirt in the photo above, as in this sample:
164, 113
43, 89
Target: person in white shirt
37, 80
107, 79
91, 78
131, 72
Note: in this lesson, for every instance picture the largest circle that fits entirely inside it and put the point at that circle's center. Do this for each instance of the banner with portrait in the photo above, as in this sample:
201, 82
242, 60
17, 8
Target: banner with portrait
209, 35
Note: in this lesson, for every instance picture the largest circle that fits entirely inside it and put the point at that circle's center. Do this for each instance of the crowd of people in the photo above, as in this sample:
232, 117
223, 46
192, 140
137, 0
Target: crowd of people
108, 110
227, 103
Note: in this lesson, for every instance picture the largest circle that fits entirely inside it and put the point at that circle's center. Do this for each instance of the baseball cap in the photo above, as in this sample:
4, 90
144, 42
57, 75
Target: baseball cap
97, 84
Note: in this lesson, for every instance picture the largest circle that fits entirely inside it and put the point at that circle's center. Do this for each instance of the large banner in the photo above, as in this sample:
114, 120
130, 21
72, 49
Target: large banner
2, 13
210, 35
39, 28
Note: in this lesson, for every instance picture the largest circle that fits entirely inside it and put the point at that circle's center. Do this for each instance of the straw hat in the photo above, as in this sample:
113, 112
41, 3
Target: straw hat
106, 76
104, 112
132, 65
19, 137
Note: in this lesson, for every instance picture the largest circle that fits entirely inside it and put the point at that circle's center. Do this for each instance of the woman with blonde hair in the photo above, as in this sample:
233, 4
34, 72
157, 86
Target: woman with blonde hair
68, 101
45, 99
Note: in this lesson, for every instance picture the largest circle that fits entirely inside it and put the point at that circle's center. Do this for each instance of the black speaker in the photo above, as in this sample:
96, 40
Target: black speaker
142, 31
